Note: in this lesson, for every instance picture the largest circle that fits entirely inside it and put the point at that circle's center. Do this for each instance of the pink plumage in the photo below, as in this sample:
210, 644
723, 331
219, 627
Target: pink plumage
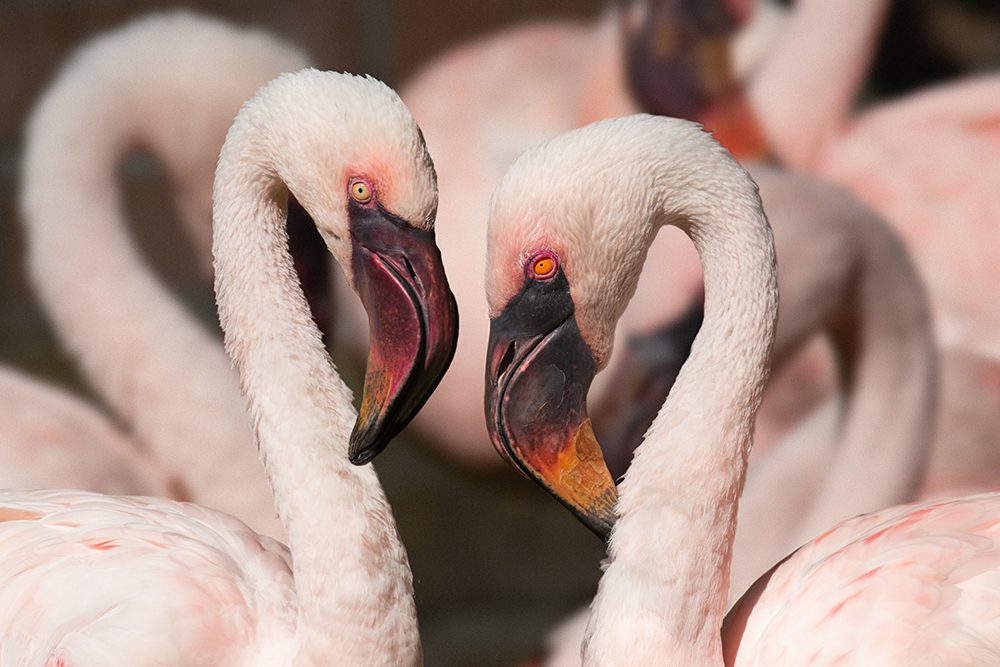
911, 585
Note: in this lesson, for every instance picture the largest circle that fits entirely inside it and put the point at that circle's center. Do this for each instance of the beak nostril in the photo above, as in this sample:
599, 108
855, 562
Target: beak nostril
505, 360
409, 267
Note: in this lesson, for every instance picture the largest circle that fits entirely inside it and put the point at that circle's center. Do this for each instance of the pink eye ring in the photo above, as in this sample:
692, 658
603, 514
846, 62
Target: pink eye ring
543, 266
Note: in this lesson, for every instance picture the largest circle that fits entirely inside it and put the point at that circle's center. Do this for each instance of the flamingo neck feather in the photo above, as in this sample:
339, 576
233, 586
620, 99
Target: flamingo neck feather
352, 577
662, 597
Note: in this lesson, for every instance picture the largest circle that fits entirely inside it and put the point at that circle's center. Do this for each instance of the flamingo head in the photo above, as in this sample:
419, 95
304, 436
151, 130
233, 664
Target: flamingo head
538, 371
568, 234
379, 226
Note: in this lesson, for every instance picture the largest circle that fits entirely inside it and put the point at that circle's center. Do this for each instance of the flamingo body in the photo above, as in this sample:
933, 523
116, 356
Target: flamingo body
911, 585
133, 581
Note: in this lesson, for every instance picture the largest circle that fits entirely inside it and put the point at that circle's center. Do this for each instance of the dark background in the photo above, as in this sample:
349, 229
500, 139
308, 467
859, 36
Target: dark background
496, 562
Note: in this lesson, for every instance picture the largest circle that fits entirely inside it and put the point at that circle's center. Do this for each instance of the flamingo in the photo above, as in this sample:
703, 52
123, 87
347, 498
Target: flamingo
895, 362
570, 224
160, 582
841, 263
171, 83
48, 434
475, 125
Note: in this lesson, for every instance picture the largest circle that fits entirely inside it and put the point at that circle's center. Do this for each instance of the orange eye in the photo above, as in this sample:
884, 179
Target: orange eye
543, 266
361, 191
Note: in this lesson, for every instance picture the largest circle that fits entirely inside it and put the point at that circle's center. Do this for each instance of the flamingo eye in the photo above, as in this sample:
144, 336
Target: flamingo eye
543, 266
361, 190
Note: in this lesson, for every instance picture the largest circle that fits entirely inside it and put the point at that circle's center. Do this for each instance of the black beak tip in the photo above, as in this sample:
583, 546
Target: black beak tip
363, 449
362, 457
600, 528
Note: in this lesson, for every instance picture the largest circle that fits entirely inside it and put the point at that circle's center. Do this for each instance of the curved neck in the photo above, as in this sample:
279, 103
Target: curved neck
844, 274
339, 525
662, 598
805, 90
883, 335
163, 373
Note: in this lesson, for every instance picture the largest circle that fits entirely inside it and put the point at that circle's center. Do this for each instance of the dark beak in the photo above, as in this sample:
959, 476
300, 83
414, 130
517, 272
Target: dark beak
642, 383
677, 57
538, 373
413, 321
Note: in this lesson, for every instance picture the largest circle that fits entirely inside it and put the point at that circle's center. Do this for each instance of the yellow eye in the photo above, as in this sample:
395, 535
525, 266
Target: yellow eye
361, 191
543, 266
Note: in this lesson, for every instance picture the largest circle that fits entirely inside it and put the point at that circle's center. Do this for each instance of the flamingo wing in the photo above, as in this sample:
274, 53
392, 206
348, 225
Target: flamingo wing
917, 584
87, 579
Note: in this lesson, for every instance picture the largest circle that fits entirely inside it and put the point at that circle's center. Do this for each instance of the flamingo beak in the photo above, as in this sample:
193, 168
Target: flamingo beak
538, 373
678, 52
642, 382
413, 320
678, 64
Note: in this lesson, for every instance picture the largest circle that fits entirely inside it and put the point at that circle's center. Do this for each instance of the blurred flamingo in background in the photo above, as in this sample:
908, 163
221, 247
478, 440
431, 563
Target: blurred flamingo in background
928, 161
49, 437
171, 84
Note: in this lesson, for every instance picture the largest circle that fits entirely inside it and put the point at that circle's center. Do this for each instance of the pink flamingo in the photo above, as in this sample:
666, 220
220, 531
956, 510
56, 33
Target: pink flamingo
90, 579
520, 105
568, 226
171, 83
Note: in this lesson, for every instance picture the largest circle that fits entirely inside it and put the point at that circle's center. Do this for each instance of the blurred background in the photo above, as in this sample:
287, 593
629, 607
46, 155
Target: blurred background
496, 563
